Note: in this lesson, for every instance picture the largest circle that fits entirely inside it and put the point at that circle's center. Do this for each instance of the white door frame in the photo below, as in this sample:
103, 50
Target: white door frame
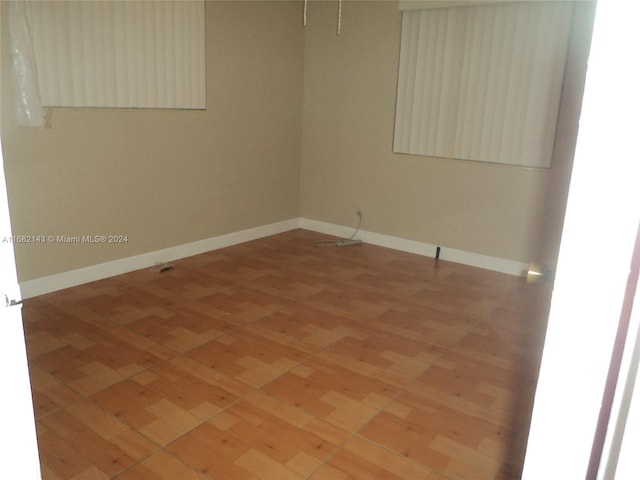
18, 442
602, 216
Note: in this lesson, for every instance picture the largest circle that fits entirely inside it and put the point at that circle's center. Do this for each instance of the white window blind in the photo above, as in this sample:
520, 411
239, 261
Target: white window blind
482, 83
141, 54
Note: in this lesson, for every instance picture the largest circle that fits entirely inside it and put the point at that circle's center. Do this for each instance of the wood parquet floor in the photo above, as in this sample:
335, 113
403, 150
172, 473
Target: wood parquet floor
277, 360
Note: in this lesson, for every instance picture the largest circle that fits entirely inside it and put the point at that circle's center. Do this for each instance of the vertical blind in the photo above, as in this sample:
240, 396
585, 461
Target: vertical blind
142, 54
482, 83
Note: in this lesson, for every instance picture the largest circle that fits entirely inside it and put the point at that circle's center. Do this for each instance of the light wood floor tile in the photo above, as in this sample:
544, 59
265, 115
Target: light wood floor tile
161, 466
390, 358
276, 359
168, 400
361, 459
181, 331
352, 301
340, 396
427, 324
243, 304
465, 462
49, 393
260, 437
83, 438
249, 358
303, 328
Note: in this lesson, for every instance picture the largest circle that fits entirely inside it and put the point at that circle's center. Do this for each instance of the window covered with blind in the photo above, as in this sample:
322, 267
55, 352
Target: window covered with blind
482, 82
142, 54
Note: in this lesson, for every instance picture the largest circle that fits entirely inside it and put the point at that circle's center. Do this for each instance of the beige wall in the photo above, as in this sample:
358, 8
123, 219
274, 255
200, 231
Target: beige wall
349, 105
166, 178
270, 148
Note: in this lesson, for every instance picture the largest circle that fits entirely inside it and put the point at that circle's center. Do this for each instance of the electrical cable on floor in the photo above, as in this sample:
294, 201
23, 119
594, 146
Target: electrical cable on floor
304, 14
357, 226
334, 243
325, 243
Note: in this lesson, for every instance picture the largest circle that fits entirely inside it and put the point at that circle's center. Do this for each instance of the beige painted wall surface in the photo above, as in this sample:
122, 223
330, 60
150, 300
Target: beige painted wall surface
349, 106
165, 178
269, 149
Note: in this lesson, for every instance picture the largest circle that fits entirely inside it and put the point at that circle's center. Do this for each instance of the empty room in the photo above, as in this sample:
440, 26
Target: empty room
311, 239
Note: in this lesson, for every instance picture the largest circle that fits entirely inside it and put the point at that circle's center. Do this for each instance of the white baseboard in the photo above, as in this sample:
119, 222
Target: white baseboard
40, 286
420, 248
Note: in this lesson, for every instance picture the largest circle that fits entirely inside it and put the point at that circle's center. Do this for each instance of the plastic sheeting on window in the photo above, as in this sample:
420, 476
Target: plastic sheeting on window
28, 102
